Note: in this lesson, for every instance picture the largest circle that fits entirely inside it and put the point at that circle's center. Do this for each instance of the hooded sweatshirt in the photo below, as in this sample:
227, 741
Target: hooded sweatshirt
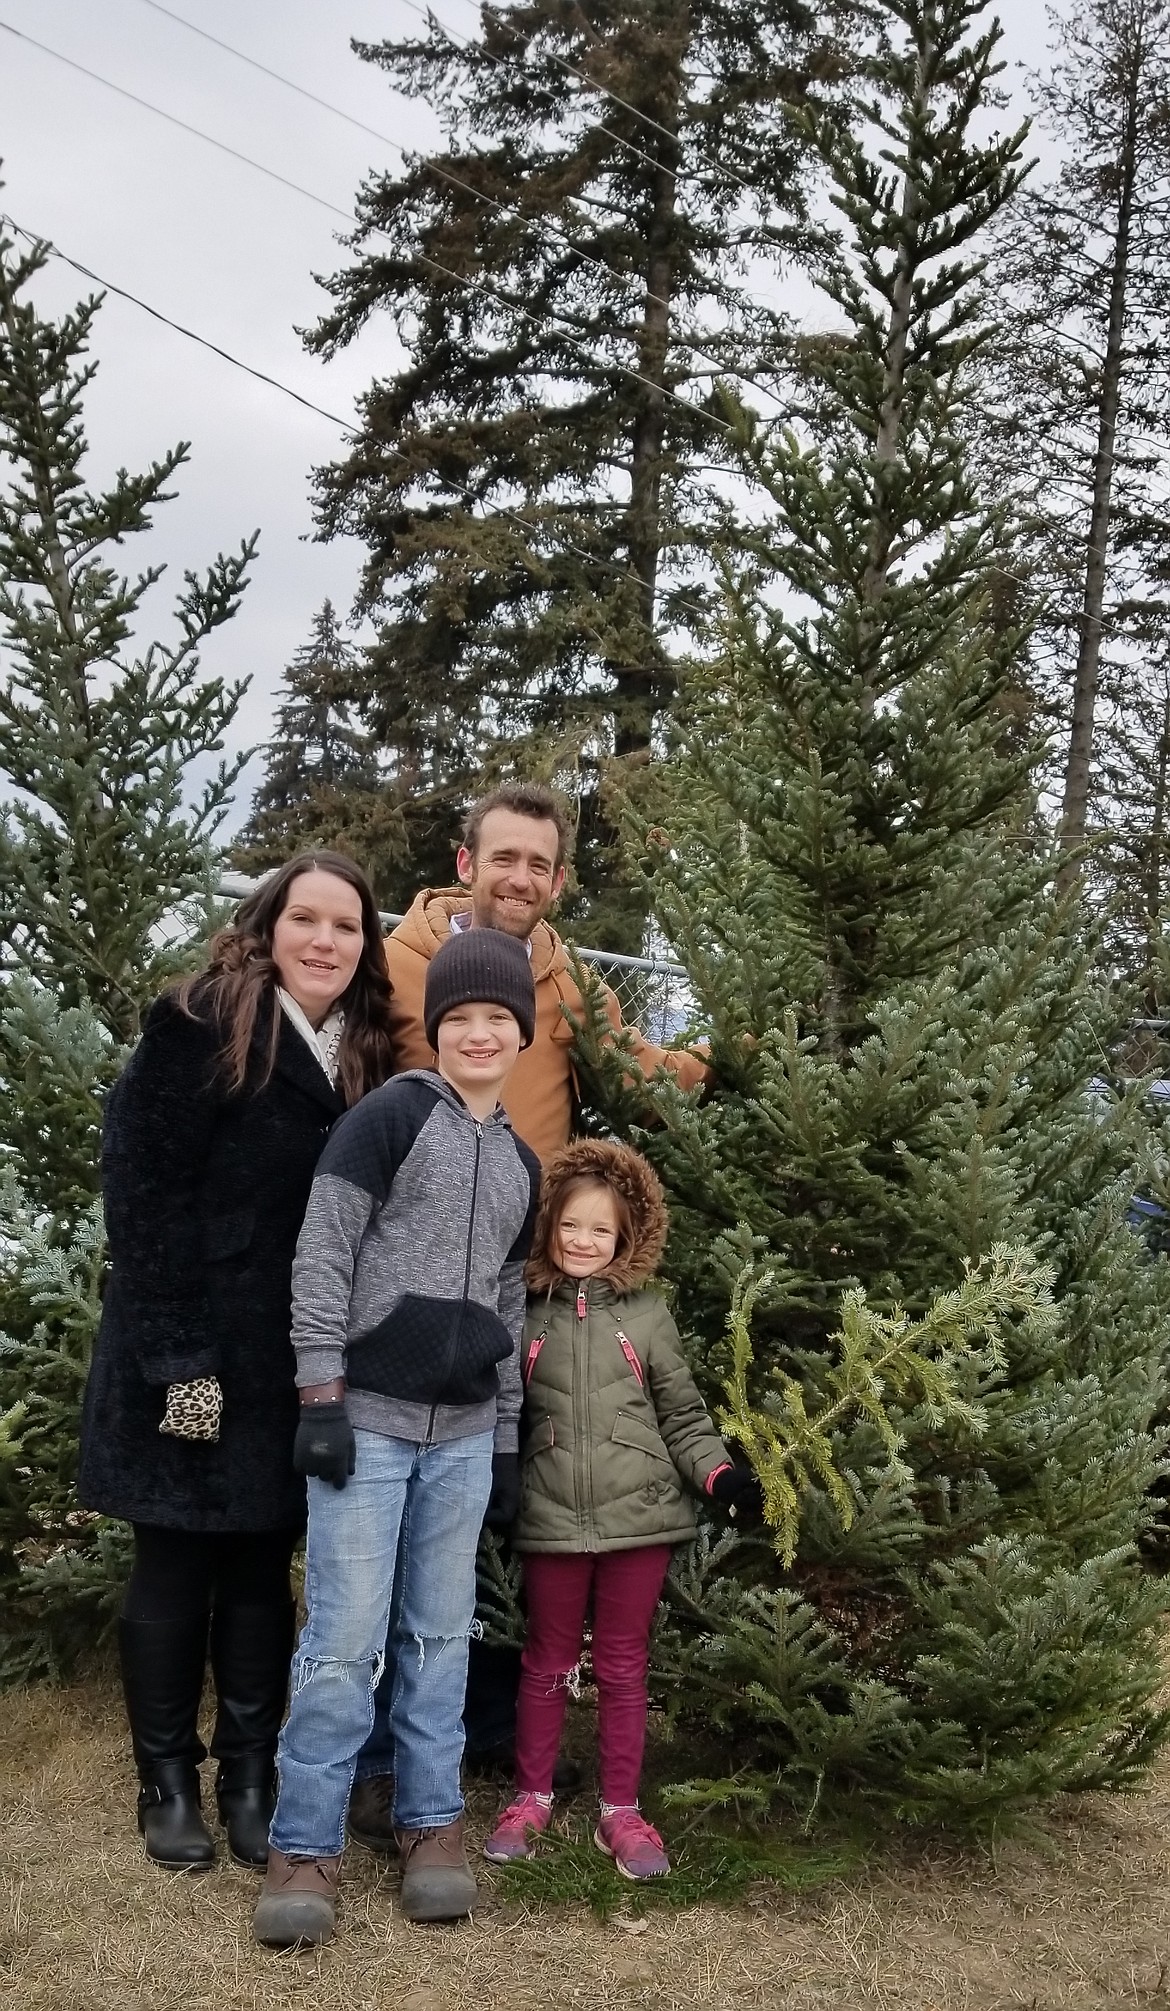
408, 1278
615, 1429
539, 1093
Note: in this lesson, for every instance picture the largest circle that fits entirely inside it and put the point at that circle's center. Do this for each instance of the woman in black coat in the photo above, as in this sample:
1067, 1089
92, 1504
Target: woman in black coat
211, 1137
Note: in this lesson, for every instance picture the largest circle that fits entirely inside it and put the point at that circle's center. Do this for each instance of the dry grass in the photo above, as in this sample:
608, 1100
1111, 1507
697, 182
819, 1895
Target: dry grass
90, 1926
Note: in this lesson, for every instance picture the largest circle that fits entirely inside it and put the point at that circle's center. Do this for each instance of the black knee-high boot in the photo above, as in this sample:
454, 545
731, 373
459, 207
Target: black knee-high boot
251, 1648
162, 1676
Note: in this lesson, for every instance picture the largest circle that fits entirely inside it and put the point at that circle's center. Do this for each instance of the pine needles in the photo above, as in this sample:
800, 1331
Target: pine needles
882, 1356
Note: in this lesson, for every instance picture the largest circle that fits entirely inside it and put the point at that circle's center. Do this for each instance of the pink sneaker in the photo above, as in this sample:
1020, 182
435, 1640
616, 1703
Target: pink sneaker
521, 1821
634, 1846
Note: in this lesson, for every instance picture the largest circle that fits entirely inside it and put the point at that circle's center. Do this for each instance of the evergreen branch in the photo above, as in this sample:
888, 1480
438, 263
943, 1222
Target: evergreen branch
882, 1357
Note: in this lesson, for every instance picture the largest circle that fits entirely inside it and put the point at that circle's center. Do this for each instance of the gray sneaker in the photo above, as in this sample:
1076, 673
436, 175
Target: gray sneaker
370, 1820
437, 1881
297, 1906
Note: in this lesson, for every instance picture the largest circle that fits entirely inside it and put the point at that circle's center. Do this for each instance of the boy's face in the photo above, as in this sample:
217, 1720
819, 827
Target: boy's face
477, 1047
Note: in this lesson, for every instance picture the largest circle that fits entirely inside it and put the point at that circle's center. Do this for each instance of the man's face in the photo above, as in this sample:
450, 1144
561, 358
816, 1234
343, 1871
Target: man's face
512, 874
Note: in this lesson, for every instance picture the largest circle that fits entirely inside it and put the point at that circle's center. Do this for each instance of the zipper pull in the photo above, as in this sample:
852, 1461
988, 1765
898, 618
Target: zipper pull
582, 1307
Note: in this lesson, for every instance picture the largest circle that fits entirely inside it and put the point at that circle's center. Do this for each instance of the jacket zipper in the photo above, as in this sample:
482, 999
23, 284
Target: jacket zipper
453, 1344
628, 1350
581, 1413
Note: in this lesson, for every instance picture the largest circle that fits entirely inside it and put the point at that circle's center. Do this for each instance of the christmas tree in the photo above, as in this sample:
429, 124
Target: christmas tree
904, 1025
323, 782
105, 870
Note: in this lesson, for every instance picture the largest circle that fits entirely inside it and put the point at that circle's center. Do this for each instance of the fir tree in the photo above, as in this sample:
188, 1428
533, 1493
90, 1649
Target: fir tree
537, 485
904, 1024
323, 783
104, 866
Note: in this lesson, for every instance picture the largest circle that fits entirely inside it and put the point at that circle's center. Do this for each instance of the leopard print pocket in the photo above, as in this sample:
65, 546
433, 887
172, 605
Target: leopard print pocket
193, 1410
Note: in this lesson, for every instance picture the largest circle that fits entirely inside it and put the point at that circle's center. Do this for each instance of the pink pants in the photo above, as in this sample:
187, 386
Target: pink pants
626, 1586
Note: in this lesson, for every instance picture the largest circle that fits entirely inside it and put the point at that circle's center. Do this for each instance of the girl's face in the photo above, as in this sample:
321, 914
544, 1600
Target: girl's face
317, 941
587, 1232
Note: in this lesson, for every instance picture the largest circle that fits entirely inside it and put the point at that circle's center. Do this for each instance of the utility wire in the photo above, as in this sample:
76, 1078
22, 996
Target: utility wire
684, 339
456, 35
107, 286
470, 285
466, 496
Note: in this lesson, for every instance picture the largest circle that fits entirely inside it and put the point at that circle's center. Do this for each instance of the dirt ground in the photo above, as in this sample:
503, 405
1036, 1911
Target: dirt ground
87, 1925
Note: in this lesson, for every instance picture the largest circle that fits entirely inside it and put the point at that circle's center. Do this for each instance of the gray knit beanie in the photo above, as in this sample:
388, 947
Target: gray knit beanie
480, 967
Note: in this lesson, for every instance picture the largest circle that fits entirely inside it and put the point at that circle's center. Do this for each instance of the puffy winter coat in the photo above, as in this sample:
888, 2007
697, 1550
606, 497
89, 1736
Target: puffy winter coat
539, 1093
615, 1429
204, 1193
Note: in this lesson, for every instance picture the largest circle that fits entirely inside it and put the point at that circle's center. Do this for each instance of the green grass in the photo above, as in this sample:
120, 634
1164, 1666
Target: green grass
704, 1867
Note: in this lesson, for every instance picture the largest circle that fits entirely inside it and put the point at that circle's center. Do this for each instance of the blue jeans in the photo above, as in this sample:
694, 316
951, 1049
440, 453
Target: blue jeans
393, 1551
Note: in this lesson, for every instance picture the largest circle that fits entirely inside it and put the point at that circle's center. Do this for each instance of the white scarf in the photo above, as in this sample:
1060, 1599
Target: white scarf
325, 1040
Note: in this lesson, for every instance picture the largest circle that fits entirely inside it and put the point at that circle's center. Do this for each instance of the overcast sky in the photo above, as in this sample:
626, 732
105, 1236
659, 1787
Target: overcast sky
230, 253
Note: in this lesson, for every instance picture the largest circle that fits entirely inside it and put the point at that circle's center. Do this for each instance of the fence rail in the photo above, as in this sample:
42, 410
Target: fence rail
653, 993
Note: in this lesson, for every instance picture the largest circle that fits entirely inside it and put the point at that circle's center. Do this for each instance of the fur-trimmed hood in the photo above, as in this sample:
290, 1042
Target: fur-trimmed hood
616, 1166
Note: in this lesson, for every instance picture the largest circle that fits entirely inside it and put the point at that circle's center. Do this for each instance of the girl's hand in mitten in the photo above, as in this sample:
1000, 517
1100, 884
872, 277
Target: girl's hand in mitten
737, 1490
193, 1410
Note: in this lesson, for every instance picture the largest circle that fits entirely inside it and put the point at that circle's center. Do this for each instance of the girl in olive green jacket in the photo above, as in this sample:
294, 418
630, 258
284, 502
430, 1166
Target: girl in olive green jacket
616, 1430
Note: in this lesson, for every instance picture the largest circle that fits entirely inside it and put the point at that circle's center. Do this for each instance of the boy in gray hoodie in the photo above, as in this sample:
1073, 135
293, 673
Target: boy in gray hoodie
408, 1304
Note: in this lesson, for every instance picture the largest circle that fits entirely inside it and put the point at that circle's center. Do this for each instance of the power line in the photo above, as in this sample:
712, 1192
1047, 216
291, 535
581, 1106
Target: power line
466, 496
456, 36
107, 286
323, 202
683, 338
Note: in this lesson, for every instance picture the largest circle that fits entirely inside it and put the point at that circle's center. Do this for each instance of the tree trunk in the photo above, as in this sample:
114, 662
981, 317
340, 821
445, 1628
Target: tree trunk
1153, 877
1074, 810
641, 684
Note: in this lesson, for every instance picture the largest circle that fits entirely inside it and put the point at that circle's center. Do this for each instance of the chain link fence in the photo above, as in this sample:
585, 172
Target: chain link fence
653, 993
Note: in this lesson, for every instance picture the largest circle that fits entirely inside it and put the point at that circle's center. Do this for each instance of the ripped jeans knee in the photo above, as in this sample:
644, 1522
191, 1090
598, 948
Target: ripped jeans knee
309, 1668
419, 1645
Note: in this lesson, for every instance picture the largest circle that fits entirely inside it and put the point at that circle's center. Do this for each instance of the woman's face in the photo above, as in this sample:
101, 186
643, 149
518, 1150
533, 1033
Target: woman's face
587, 1232
317, 941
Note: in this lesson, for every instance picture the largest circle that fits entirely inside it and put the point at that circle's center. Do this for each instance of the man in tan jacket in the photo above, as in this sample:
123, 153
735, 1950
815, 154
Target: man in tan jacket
512, 865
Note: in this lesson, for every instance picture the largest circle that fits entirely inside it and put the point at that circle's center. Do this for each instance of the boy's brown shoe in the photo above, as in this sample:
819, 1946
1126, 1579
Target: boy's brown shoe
437, 1881
298, 1902
370, 1820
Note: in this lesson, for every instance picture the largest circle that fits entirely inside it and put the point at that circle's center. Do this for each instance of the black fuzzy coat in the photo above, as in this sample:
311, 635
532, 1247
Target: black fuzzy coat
204, 1195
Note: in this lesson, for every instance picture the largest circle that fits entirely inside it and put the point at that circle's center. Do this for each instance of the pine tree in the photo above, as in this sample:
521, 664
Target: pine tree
323, 782
105, 869
537, 486
1081, 421
904, 1024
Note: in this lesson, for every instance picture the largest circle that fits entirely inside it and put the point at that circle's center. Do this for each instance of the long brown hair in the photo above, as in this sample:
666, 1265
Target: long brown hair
241, 976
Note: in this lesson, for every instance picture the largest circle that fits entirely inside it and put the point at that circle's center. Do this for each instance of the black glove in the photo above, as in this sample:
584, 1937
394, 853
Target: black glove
324, 1447
505, 1494
737, 1489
